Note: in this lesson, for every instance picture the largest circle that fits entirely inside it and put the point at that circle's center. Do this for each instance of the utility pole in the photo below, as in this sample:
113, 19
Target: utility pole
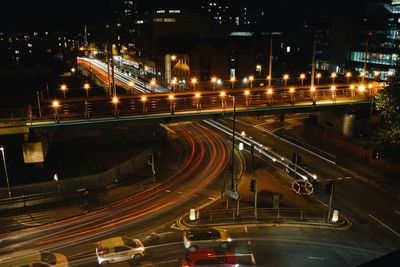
365, 60
233, 146
270, 63
332, 183
38, 101
313, 66
112, 73
255, 198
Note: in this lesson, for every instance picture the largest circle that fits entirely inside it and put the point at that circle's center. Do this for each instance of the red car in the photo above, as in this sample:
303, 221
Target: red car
210, 257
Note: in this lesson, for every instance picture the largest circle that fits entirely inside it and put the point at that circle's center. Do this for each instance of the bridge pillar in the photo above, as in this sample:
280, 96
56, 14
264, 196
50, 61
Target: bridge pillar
35, 147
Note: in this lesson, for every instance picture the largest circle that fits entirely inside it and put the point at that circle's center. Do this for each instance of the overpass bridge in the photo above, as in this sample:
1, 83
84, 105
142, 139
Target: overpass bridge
166, 107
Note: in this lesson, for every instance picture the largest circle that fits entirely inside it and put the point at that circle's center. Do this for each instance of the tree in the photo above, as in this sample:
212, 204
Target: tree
388, 104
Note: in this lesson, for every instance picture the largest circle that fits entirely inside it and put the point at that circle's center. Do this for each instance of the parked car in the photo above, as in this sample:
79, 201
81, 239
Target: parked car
206, 238
31, 258
118, 249
210, 257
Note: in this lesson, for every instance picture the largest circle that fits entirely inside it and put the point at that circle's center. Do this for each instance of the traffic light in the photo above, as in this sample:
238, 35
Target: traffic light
253, 185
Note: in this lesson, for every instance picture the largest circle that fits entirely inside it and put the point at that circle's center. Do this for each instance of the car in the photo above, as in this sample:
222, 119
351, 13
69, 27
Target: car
30, 258
209, 257
206, 238
299, 172
118, 249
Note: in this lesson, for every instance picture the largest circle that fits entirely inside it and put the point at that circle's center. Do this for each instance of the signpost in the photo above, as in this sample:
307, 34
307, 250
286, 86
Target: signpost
232, 194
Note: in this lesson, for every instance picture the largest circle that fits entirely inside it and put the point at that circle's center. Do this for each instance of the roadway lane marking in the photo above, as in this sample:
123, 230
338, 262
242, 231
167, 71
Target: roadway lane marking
316, 258
396, 233
253, 259
397, 212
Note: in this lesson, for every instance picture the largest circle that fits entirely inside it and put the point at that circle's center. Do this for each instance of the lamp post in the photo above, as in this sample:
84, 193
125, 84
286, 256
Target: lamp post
55, 177
198, 105
258, 69
223, 100
173, 84
213, 81
285, 78
56, 105
131, 86
247, 96
153, 85
86, 86
115, 101
313, 95
233, 79
63, 88
269, 93
292, 96
251, 78
348, 75
171, 98
318, 77
376, 75
302, 77
5, 170
73, 71
333, 76
194, 81
144, 100
333, 92
352, 91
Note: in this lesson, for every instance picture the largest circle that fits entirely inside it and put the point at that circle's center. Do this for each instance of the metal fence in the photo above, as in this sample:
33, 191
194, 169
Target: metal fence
263, 214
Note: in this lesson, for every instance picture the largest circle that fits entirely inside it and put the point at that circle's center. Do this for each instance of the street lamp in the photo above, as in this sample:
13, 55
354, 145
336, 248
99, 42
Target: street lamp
348, 75
223, 100
194, 81
352, 91
144, 99
251, 78
302, 77
153, 85
285, 78
318, 77
247, 96
233, 79
63, 88
333, 76
198, 105
333, 91
5, 170
269, 93
86, 86
171, 98
131, 84
292, 96
313, 95
362, 76
115, 101
73, 71
173, 83
56, 105
376, 75
213, 81
55, 177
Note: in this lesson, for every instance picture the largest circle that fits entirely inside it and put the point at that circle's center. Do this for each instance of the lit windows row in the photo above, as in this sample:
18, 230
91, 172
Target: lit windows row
376, 58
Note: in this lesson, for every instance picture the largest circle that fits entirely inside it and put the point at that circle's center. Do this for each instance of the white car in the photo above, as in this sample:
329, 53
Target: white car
118, 249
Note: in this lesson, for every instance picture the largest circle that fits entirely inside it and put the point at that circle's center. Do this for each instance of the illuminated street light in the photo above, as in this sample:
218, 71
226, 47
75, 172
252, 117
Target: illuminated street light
302, 77
251, 78
376, 75
333, 92
173, 57
313, 95
247, 96
86, 86
153, 85
269, 93
258, 69
63, 88
194, 81
73, 71
56, 105
292, 96
318, 77
361, 88
198, 104
5, 170
352, 91
223, 100
241, 146
213, 81
285, 78
233, 79
144, 100
173, 84
333, 76
115, 101
348, 75
131, 85
171, 98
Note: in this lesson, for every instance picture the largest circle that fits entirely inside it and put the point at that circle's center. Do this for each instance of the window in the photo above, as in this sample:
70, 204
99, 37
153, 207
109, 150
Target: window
121, 249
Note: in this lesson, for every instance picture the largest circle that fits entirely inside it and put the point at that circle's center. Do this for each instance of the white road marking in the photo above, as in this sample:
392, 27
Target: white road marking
253, 259
168, 191
396, 233
316, 258
397, 212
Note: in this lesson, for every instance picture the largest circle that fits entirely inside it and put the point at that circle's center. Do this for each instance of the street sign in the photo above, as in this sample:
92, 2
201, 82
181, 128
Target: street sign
232, 194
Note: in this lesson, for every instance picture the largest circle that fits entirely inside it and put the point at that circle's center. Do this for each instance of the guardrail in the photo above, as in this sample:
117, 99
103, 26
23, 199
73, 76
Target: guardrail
263, 214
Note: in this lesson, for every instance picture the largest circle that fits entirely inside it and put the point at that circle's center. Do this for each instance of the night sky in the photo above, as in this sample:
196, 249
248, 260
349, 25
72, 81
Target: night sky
72, 14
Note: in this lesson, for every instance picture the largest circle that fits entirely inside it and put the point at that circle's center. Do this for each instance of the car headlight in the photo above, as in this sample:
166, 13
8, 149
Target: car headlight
229, 239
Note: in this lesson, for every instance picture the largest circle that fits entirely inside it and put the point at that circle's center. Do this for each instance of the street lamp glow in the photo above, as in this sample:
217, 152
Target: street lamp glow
222, 94
291, 90
361, 88
258, 67
348, 74
115, 100
268, 77
153, 82
73, 70
247, 92
143, 99
286, 76
333, 88
131, 84
333, 75
63, 87
55, 177
251, 78
86, 86
241, 147
362, 74
269, 91
312, 89
213, 79
173, 57
352, 87
56, 104
302, 76
197, 95
171, 97
370, 86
